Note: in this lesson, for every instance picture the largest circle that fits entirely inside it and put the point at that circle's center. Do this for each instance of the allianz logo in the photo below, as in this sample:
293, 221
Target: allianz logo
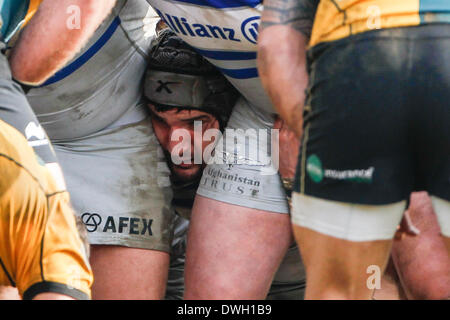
181, 25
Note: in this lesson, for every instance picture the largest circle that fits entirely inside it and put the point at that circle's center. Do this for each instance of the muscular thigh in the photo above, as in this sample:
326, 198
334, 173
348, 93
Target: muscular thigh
240, 225
233, 252
128, 273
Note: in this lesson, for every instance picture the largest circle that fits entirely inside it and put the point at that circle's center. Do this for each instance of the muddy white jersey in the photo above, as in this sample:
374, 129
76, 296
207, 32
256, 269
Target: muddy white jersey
225, 32
104, 81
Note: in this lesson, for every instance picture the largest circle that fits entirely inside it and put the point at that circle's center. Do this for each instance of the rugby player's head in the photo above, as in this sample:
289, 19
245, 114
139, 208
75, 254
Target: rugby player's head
181, 88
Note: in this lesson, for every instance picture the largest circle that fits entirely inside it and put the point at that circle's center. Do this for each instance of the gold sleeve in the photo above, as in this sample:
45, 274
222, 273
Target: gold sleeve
41, 249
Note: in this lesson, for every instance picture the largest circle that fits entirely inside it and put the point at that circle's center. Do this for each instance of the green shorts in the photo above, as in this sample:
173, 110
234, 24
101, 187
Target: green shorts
376, 128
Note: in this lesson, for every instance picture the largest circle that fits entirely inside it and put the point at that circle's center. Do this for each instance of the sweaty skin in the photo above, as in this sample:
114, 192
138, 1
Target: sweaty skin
50, 41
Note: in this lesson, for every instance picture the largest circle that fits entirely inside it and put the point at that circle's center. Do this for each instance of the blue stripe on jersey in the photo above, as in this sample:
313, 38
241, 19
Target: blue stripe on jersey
223, 4
434, 6
78, 63
240, 73
227, 55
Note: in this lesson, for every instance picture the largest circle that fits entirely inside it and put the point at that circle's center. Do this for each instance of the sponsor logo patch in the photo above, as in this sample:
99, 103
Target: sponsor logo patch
181, 25
314, 168
317, 173
125, 225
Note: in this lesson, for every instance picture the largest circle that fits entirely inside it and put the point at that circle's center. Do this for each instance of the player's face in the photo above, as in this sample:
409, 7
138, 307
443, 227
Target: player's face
166, 124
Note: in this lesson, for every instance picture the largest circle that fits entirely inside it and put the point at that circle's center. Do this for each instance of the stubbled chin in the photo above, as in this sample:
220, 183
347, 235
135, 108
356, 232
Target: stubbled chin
186, 174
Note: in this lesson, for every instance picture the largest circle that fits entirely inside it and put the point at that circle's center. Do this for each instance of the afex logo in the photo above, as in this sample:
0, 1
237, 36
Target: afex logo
93, 222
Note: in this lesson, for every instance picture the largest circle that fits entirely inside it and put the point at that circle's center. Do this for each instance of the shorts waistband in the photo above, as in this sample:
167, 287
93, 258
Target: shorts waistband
424, 31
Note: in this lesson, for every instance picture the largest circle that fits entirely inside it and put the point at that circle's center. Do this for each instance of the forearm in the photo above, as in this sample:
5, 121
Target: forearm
50, 41
281, 63
282, 43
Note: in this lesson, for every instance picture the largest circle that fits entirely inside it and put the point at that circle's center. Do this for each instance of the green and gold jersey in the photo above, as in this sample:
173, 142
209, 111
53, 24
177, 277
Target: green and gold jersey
336, 19
40, 248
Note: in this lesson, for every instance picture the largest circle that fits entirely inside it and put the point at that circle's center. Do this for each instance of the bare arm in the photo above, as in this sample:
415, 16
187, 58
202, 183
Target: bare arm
51, 39
282, 44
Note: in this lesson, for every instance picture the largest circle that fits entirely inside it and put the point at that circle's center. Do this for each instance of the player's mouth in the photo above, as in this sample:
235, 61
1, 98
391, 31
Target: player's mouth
185, 165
